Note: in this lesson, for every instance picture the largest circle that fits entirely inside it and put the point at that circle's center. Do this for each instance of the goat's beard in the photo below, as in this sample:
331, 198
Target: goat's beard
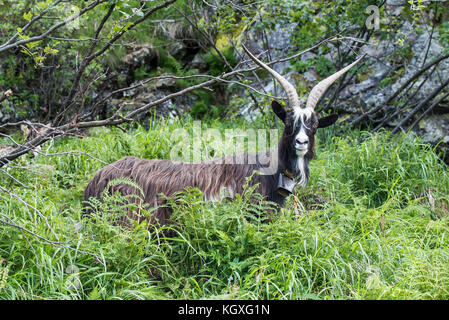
302, 169
301, 153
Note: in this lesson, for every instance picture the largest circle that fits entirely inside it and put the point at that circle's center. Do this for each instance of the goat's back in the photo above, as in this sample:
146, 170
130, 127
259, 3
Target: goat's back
215, 178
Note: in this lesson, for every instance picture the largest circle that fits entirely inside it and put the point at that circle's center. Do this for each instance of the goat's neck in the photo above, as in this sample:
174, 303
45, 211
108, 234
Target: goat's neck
289, 160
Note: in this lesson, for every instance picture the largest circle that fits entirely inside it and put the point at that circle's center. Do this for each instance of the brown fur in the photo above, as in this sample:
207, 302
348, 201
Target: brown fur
214, 177
157, 177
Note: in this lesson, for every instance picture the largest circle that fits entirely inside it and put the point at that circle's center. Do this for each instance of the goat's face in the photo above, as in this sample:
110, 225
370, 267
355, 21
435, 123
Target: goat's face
300, 126
301, 122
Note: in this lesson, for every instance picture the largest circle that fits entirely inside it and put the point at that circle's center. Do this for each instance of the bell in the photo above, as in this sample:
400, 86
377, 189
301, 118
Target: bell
286, 185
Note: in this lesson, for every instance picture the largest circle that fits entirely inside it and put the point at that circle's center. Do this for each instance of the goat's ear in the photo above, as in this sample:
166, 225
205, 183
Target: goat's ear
327, 121
279, 110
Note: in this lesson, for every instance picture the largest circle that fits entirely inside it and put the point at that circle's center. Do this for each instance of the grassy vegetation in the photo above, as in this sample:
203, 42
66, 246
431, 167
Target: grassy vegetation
374, 225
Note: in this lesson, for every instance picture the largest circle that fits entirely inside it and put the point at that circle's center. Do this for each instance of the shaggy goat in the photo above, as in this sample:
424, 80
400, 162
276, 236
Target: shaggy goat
290, 160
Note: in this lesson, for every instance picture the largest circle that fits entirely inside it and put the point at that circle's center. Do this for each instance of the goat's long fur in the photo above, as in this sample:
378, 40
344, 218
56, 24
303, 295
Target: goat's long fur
223, 177
217, 178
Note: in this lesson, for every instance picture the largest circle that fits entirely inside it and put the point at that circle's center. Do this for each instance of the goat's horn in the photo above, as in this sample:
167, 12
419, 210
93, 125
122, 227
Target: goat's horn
323, 85
292, 96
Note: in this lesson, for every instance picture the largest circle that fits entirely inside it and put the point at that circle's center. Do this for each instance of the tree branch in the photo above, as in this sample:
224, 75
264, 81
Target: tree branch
44, 35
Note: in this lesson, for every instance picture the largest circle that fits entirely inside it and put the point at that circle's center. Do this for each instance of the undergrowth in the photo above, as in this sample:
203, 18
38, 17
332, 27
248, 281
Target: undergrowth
372, 224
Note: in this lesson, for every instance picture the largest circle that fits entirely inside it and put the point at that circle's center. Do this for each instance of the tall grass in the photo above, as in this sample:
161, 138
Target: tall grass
372, 224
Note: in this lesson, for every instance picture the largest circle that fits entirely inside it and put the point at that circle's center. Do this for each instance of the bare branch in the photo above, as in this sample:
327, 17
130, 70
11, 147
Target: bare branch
416, 75
11, 223
91, 55
31, 22
420, 106
44, 35
117, 119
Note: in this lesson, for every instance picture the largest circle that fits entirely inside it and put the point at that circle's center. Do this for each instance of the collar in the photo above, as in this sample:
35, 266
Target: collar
289, 174
286, 184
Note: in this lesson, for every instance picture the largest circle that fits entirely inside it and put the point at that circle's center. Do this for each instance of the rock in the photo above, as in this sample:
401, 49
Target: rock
279, 38
279, 41
392, 11
308, 55
133, 92
396, 2
178, 50
198, 62
165, 82
420, 47
137, 57
435, 128
6, 118
367, 84
168, 109
330, 57
371, 93
5, 149
374, 100
311, 76
371, 51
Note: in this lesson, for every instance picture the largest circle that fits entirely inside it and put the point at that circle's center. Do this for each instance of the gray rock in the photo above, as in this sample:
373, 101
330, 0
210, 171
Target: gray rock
396, 2
392, 11
370, 92
435, 129
279, 38
367, 84
143, 52
308, 55
147, 94
6, 118
279, 41
133, 92
371, 51
311, 76
5, 149
177, 50
198, 62
165, 82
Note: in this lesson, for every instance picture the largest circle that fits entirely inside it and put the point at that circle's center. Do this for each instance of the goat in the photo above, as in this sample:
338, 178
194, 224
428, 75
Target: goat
295, 150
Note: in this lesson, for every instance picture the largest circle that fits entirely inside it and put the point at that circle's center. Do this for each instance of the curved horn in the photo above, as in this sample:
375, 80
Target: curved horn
323, 85
292, 96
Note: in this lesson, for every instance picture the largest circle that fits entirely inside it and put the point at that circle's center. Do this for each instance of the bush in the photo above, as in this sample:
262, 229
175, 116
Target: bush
372, 224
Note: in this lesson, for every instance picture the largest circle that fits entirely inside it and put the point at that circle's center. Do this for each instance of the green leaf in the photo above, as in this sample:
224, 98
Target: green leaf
33, 44
94, 295
28, 16
39, 59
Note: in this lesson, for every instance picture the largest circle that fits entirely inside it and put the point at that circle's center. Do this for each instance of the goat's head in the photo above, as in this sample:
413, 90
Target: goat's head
300, 122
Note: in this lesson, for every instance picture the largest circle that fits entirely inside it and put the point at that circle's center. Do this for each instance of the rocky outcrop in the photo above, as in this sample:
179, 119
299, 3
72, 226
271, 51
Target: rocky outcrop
387, 71
140, 55
391, 64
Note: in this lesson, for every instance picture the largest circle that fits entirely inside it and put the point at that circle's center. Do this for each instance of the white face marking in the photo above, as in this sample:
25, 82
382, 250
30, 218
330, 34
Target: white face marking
301, 115
301, 143
302, 136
